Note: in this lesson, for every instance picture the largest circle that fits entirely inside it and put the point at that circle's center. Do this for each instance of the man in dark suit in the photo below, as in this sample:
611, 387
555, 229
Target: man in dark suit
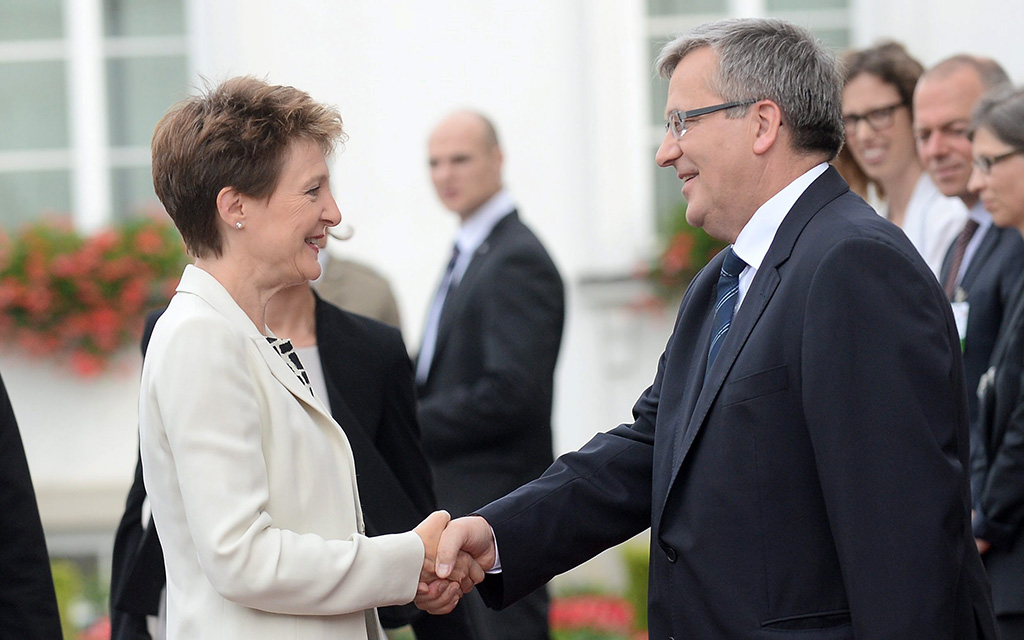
369, 389
801, 455
991, 260
485, 371
28, 605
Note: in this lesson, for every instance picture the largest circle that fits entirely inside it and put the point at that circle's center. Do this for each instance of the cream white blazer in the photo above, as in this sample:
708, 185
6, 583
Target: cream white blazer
253, 487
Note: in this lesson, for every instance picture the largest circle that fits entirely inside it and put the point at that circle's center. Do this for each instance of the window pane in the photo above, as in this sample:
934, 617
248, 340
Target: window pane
790, 5
837, 39
31, 20
26, 195
676, 7
659, 86
33, 106
133, 193
143, 17
139, 92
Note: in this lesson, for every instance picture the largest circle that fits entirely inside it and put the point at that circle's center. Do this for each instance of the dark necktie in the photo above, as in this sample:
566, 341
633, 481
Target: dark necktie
434, 320
725, 304
959, 249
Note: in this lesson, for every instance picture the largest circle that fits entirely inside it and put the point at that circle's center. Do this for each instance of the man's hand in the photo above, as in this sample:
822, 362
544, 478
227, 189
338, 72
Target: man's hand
470, 535
440, 595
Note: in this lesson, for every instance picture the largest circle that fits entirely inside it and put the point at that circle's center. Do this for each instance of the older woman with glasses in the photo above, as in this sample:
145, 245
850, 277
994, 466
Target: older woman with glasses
997, 452
879, 85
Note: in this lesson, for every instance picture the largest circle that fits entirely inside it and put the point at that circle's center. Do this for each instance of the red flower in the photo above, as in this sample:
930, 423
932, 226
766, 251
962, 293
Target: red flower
86, 364
83, 299
596, 612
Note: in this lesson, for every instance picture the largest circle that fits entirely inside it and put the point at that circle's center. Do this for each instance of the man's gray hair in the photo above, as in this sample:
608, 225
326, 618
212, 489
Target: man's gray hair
990, 72
770, 59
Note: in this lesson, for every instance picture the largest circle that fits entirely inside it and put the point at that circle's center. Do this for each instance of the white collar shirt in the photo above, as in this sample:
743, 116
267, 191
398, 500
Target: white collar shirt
757, 235
477, 227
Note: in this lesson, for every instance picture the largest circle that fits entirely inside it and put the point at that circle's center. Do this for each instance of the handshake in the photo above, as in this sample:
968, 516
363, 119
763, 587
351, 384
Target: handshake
458, 552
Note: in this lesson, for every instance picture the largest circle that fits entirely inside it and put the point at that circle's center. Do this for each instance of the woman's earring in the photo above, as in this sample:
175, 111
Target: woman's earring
238, 225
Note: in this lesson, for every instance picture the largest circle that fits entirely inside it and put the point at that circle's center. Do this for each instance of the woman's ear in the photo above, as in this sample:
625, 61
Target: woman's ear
768, 122
229, 207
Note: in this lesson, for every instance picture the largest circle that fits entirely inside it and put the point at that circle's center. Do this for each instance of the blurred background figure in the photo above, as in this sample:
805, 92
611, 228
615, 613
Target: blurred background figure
357, 287
997, 457
877, 95
485, 371
985, 262
28, 605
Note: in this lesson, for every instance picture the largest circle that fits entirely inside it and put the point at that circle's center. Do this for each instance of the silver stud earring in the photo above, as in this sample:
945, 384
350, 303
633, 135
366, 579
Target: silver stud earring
238, 225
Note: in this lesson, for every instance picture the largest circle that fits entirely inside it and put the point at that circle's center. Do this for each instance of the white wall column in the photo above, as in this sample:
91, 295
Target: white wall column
87, 100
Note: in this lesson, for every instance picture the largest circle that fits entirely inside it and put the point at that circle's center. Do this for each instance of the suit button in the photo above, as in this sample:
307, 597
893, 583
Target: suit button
670, 553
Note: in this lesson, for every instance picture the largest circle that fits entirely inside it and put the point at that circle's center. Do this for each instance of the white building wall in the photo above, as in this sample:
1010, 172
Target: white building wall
566, 81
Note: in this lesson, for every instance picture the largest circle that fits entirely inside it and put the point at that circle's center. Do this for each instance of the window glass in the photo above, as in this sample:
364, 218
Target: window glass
133, 193
139, 91
143, 18
675, 7
790, 5
837, 39
658, 85
27, 195
33, 105
31, 19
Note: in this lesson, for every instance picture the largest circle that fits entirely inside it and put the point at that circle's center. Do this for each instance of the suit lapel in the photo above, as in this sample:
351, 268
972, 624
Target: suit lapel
458, 296
823, 190
985, 249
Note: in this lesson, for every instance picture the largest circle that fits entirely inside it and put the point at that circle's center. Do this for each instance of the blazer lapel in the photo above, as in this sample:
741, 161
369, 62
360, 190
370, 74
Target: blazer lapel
823, 190
286, 376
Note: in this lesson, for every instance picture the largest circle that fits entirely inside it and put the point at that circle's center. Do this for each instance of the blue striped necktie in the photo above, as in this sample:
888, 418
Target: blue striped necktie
725, 304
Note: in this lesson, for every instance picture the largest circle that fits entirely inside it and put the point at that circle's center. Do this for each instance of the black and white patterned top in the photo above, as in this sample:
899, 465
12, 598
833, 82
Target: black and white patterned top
287, 351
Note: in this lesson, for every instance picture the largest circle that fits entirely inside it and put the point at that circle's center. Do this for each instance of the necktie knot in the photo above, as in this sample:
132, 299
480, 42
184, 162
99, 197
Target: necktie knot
733, 265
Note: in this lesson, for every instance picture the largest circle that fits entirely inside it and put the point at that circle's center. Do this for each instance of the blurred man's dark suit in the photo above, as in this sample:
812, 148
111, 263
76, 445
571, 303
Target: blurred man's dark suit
28, 605
485, 407
989, 281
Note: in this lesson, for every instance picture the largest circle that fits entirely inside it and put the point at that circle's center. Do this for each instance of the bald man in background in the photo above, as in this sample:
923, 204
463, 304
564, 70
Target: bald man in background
485, 371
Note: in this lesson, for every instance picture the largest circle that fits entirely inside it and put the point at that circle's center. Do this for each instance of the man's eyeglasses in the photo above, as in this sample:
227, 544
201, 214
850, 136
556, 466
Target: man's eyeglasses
985, 163
877, 119
677, 119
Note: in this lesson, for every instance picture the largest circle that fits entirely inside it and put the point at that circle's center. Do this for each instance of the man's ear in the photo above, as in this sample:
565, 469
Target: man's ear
229, 206
768, 121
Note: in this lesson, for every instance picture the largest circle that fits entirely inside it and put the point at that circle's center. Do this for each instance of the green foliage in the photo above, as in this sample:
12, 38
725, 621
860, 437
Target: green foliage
67, 581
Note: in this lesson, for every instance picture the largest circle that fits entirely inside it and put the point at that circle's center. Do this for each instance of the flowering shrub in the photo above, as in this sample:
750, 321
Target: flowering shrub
686, 250
84, 298
591, 617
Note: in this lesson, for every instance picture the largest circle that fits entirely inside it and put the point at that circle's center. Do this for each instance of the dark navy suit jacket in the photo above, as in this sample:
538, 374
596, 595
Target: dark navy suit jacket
990, 281
814, 484
28, 605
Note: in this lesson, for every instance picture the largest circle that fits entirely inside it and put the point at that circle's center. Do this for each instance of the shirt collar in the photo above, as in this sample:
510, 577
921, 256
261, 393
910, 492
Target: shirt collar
980, 214
478, 225
756, 237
